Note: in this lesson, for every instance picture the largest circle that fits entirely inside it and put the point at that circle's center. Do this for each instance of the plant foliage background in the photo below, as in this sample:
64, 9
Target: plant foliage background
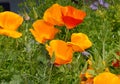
25, 61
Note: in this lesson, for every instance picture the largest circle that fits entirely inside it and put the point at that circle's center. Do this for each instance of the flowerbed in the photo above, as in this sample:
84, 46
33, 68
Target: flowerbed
61, 42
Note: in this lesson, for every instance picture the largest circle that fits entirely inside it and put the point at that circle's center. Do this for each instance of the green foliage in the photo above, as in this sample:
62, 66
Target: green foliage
25, 61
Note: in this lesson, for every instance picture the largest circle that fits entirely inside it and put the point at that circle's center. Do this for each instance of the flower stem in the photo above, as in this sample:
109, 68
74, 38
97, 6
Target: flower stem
51, 66
103, 50
66, 36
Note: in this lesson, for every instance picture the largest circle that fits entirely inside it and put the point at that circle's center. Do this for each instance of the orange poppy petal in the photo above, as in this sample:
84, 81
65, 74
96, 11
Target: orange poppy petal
53, 15
75, 47
37, 38
79, 42
106, 78
70, 22
72, 16
10, 33
10, 20
43, 31
63, 52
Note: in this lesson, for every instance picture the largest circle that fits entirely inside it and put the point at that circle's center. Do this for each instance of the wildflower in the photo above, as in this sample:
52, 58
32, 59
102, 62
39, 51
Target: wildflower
85, 53
72, 16
68, 16
53, 15
43, 31
9, 23
95, 4
106, 78
80, 42
63, 53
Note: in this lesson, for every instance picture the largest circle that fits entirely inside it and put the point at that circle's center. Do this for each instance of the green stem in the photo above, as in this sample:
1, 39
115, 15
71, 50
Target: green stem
50, 73
66, 36
103, 50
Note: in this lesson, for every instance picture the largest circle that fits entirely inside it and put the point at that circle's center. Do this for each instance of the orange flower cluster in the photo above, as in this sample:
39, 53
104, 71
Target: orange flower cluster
44, 30
61, 16
64, 50
56, 15
9, 23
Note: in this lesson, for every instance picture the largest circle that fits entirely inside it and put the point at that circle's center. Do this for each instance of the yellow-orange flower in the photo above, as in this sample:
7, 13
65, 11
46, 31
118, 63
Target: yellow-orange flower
72, 16
106, 78
9, 23
53, 15
63, 53
80, 42
43, 31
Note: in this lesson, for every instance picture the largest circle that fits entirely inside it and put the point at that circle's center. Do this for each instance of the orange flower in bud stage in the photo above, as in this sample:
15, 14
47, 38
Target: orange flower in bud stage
72, 16
79, 42
106, 78
53, 15
9, 23
63, 53
43, 31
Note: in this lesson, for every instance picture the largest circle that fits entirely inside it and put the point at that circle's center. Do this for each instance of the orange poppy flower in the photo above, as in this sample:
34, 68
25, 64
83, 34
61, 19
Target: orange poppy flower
80, 42
63, 53
72, 16
106, 78
9, 23
68, 16
43, 31
53, 15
